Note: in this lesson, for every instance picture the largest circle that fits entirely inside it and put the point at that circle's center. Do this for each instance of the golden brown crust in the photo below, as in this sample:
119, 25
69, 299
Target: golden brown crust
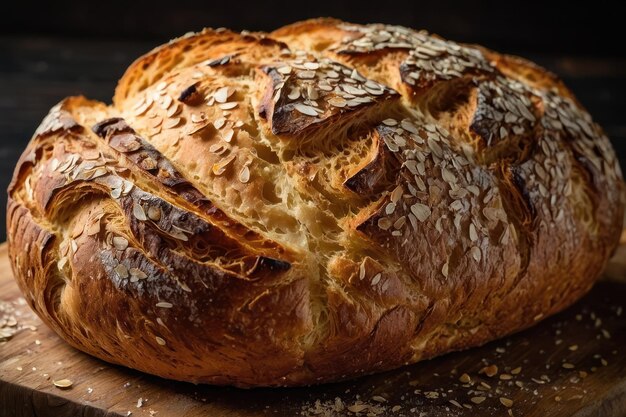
322, 202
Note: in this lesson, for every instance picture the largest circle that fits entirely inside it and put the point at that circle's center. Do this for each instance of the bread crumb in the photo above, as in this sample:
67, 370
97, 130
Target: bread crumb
506, 402
490, 370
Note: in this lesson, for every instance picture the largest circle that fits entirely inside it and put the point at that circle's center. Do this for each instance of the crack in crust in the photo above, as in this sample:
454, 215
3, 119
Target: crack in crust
325, 201
305, 92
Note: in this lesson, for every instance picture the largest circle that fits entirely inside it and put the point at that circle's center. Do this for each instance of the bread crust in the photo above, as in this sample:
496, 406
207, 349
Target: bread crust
325, 201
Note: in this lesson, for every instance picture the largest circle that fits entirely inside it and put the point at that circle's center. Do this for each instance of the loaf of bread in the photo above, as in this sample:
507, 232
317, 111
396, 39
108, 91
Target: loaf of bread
313, 204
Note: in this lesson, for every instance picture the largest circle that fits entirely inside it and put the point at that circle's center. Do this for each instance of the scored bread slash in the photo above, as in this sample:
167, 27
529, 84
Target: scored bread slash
63, 383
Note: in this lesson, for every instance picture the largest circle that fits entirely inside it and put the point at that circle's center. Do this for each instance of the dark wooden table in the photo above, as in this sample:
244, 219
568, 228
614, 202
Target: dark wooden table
36, 72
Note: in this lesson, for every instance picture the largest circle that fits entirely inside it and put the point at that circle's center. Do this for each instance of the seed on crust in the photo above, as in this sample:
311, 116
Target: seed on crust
244, 174
154, 213
219, 123
362, 270
384, 223
337, 102
476, 253
306, 75
137, 274
139, 213
472, 233
120, 243
227, 135
228, 105
122, 271
305, 109
172, 122
220, 167
421, 211
222, 94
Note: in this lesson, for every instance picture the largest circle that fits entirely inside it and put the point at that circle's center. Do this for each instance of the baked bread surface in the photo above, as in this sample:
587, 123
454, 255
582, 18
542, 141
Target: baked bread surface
321, 202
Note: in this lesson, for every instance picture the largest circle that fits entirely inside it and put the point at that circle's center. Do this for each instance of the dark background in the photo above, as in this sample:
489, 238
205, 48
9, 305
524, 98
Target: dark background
55, 49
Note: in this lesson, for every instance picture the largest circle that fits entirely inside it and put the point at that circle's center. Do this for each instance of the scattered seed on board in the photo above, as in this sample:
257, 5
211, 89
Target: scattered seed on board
63, 383
357, 408
506, 402
490, 370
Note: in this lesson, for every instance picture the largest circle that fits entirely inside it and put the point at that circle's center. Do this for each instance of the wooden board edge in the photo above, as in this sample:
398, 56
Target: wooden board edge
20, 401
612, 405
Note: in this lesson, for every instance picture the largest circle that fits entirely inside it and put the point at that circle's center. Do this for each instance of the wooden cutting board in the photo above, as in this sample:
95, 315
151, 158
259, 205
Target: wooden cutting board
573, 364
